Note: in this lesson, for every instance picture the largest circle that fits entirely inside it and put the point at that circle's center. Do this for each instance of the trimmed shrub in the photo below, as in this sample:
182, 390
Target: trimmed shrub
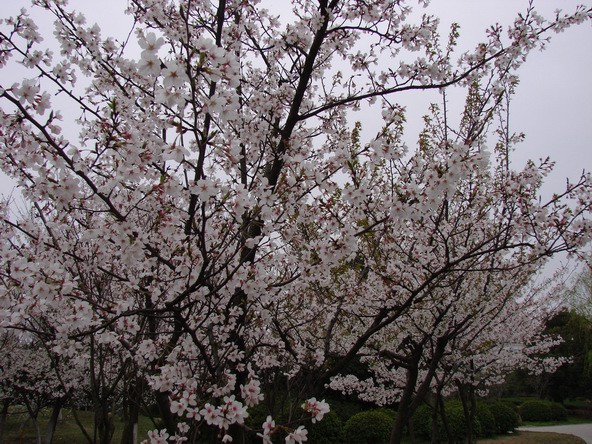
327, 431
506, 418
345, 409
455, 417
536, 410
558, 412
486, 420
457, 423
421, 421
369, 427
391, 413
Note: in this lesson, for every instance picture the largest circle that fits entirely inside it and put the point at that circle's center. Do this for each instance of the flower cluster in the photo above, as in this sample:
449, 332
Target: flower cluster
298, 436
268, 428
251, 393
317, 409
231, 412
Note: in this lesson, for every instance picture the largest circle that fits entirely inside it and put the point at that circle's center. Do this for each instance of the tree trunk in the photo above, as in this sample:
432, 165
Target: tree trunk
37, 430
53, 421
132, 412
435, 433
104, 427
469, 404
33, 413
164, 405
442, 408
3, 416
472, 415
409, 403
403, 412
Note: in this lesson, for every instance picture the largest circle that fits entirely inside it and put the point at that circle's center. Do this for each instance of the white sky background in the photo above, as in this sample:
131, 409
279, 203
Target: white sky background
552, 105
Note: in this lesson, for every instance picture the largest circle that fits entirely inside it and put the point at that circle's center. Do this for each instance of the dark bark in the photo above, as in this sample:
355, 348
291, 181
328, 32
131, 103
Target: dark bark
104, 427
164, 405
81, 427
435, 418
132, 412
53, 421
411, 398
3, 416
33, 413
469, 404
103, 387
403, 412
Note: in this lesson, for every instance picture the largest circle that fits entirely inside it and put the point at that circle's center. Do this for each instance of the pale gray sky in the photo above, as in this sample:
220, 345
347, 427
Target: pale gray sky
553, 104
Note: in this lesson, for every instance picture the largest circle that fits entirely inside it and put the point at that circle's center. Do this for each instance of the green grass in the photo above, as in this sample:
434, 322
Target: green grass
68, 432
522, 437
21, 430
570, 420
578, 403
534, 438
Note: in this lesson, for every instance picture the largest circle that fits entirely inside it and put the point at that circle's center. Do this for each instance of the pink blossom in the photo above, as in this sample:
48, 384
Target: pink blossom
157, 437
211, 414
298, 436
27, 90
251, 392
150, 43
149, 64
174, 75
318, 409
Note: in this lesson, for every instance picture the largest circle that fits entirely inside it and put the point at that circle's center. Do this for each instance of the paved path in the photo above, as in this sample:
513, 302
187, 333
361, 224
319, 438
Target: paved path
584, 431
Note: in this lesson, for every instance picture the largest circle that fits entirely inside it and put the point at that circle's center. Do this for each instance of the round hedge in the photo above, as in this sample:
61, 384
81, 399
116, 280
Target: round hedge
457, 424
369, 427
536, 410
486, 420
327, 431
345, 409
422, 421
506, 418
558, 412
455, 417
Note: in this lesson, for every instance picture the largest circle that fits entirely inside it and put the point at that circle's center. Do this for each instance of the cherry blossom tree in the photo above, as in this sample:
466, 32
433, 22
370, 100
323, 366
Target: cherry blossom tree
504, 335
426, 293
34, 379
217, 218
579, 294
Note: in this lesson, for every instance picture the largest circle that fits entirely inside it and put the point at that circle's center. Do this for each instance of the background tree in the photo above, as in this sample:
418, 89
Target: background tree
573, 379
33, 378
579, 295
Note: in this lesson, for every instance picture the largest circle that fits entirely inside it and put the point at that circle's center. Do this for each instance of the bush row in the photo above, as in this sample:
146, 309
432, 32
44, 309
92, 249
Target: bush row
375, 426
490, 419
367, 427
537, 410
351, 426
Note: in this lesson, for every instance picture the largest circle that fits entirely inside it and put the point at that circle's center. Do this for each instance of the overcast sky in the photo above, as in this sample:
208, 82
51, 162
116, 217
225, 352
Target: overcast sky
553, 104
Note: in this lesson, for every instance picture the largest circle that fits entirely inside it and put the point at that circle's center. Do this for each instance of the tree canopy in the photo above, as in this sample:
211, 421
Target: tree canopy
214, 223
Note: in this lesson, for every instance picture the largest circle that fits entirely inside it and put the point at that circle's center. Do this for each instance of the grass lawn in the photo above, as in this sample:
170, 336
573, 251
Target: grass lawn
534, 438
67, 431
522, 437
570, 420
